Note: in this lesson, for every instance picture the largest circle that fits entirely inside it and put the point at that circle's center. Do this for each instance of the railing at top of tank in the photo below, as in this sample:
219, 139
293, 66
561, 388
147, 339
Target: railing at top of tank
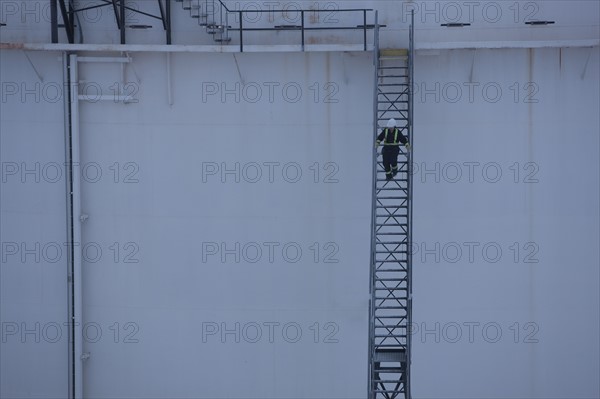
224, 15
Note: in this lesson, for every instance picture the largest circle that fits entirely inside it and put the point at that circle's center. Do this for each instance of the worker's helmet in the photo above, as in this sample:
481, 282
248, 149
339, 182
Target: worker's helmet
392, 123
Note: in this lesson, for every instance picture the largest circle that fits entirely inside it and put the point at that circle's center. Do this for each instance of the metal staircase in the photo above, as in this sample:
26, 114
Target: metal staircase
391, 288
211, 15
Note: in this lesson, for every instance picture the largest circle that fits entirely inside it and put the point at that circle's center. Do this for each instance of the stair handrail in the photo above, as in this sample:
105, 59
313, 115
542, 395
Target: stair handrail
373, 205
409, 159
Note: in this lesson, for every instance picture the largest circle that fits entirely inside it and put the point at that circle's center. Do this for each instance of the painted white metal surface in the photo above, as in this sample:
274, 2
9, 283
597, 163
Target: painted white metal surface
506, 143
506, 223
34, 243
242, 236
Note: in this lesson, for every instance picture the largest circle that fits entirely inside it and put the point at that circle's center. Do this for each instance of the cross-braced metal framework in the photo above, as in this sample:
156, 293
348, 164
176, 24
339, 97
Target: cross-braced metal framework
390, 310
224, 24
71, 9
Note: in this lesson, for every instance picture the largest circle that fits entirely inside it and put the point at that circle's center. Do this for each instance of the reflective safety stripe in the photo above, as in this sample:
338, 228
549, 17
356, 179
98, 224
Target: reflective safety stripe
395, 136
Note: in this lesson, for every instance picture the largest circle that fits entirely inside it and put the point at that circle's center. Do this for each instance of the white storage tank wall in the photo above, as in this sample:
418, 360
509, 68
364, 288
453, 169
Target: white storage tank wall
506, 223
157, 201
240, 211
33, 275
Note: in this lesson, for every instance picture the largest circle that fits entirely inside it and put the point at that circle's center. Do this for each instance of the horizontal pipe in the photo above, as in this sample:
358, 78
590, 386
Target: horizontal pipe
105, 59
184, 48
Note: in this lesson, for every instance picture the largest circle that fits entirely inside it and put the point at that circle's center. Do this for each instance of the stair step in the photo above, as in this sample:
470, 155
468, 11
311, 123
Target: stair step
386, 99
391, 189
392, 198
391, 393
390, 336
392, 270
389, 368
389, 261
393, 52
391, 326
391, 317
397, 101
391, 289
387, 381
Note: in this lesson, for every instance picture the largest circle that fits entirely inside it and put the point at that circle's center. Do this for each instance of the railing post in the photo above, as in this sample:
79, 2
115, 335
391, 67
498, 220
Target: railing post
122, 13
221, 15
241, 32
302, 14
168, 22
365, 29
226, 27
54, 21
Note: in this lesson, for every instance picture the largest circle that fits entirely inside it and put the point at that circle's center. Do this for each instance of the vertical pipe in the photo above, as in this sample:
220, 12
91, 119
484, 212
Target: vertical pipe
69, 218
123, 77
54, 20
76, 212
169, 85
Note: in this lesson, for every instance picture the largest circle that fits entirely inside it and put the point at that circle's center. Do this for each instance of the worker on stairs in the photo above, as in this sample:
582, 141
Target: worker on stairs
391, 137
